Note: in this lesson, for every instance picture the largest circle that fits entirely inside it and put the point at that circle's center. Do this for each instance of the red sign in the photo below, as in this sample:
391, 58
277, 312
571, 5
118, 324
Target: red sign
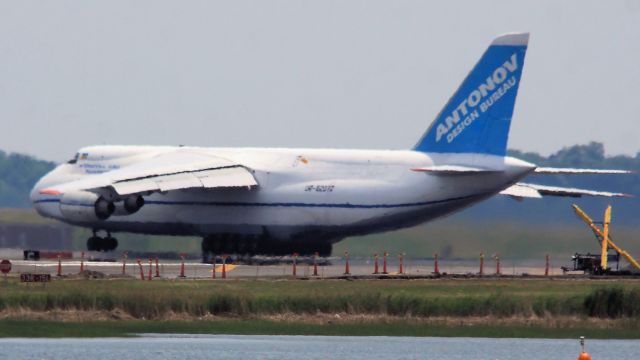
5, 266
35, 277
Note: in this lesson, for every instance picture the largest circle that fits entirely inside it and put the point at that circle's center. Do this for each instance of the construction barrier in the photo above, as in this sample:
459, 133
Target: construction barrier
224, 266
379, 266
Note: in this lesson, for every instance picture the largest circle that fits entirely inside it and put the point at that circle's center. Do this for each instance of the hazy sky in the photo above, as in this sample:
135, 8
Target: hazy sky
353, 74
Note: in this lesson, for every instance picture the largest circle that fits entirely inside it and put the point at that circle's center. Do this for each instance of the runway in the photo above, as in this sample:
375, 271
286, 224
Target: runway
331, 268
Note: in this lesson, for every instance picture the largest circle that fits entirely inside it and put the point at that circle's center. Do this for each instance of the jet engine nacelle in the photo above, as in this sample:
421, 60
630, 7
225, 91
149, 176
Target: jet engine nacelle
129, 205
85, 206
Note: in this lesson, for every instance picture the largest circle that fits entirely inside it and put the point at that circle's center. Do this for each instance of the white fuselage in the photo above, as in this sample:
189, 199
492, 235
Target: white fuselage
322, 193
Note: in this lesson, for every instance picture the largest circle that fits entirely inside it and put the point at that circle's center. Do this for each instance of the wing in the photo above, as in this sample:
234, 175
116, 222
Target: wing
526, 190
169, 171
550, 170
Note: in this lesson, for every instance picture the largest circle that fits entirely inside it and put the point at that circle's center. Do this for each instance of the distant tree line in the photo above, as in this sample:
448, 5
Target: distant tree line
18, 174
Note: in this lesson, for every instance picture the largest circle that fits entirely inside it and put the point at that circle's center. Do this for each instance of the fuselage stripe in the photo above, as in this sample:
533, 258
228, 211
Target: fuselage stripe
296, 204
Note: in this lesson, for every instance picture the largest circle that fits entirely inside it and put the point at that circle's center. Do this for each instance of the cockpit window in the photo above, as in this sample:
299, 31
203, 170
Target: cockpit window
74, 160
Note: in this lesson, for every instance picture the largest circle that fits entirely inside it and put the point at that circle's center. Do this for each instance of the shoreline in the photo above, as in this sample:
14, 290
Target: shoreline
228, 326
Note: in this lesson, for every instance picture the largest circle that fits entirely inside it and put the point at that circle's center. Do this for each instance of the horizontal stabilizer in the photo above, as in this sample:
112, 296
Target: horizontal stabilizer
526, 190
453, 170
519, 192
551, 170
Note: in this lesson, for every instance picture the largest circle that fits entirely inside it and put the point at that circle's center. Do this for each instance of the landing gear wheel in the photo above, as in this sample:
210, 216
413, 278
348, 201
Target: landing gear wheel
109, 243
94, 243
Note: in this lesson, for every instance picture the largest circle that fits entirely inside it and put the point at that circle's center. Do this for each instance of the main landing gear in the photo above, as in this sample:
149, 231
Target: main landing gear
96, 243
248, 245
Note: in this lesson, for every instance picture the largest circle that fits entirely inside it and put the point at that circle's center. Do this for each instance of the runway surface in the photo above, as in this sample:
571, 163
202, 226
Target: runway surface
333, 267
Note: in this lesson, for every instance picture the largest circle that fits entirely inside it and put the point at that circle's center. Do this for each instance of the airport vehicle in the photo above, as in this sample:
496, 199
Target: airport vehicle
280, 201
598, 264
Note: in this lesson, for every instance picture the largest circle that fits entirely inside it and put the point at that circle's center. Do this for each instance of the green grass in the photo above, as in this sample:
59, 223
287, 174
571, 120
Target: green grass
422, 298
23, 216
445, 307
12, 328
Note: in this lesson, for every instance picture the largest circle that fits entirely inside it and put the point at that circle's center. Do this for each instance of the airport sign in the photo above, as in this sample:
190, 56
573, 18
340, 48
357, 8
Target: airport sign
26, 277
5, 266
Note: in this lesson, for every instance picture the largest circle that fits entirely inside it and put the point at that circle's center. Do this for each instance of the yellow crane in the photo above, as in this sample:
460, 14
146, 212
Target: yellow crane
603, 237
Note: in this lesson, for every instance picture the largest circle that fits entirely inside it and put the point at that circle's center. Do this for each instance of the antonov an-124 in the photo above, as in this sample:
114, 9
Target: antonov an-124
279, 201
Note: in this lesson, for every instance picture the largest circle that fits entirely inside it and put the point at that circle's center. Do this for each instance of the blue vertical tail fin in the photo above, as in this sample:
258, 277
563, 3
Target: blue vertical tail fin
477, 118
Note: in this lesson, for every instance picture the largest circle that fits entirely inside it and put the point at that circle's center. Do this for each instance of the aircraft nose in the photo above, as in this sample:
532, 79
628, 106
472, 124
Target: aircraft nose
36, 198
43, 203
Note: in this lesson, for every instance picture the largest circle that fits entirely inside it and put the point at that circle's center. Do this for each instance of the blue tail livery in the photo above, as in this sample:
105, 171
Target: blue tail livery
477, 118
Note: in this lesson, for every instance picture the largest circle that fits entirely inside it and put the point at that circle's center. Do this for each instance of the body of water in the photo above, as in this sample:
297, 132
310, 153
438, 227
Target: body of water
310, 347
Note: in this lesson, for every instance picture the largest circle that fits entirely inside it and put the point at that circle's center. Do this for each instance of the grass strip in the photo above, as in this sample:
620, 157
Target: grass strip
496, 298
52, 329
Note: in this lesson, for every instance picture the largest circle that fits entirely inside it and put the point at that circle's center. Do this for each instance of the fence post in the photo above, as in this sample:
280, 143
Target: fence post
157, 269
436, 268
315, 264
141, 270
59, 266
546, 265
295, 258
498, 264
182, 266
124, 263
213, 267
481, 264
384, 263
150, 268
401, 265
82, 262
224, 266
375, 265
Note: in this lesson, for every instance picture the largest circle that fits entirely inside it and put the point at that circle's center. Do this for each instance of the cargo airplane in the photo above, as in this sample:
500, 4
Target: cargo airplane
279, 201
